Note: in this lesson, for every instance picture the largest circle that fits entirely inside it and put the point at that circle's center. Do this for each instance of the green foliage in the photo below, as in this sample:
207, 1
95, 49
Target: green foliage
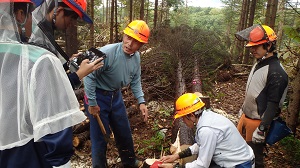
293, 33
156, 142
292, 147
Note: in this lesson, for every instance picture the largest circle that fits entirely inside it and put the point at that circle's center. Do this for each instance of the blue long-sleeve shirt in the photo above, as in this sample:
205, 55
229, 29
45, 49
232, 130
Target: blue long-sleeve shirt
119, 70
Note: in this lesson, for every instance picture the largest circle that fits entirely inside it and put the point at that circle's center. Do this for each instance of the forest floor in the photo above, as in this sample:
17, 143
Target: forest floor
229, 98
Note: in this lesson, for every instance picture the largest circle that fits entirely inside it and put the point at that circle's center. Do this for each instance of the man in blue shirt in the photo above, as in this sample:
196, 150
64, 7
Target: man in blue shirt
103, 90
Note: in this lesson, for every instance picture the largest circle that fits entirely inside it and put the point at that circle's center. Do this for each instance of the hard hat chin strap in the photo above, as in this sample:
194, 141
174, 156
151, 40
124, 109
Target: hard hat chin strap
55, 12
23, 31
199, 112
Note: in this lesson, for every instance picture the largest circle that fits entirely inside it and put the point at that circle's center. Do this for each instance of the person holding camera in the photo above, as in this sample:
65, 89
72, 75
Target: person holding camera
35, 118
218, 142
103, 91
266, 88
51, 15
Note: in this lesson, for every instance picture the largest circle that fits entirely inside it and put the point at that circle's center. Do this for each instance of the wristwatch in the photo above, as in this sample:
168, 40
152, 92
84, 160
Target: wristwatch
262, 128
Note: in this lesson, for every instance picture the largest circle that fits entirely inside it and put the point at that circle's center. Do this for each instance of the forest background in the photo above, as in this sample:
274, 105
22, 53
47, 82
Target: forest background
190, 48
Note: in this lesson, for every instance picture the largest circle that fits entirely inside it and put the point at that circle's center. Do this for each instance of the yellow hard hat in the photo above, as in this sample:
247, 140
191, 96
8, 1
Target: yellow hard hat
139, 30
188, 103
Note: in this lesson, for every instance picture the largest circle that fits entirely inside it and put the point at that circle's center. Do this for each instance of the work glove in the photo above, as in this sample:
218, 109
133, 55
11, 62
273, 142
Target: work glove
258, 136
67, 165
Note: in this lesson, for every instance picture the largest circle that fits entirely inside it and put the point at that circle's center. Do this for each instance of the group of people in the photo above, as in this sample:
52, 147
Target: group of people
218, 142
38, 106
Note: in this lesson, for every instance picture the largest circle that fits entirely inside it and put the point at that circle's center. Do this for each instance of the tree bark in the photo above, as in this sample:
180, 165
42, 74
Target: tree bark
71, 43
130, 10
142, 12
294, 102
155, 13
116, 22
197, 84
281, 16
271, 13
91, 7
111, 37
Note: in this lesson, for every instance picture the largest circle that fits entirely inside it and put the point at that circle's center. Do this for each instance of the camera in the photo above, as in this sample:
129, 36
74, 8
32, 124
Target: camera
92, 54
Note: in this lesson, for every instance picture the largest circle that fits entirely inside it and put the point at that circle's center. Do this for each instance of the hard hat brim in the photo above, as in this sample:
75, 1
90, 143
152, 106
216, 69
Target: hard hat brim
190, 110
85, 17
250, 44
134, 36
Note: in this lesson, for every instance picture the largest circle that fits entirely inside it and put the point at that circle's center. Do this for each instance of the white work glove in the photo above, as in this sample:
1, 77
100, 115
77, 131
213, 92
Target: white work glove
67, 165
258, 136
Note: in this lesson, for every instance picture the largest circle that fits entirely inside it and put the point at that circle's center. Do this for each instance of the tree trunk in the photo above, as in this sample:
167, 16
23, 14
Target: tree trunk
271, 13
250, 23
294, 102
71, 39
268, 11
142, 12
281, 16
186, 134
181, 88
91, 7
116, 22
107, 12
197, 84
241, 26
147, 12
130, 10
111, 37
155, 14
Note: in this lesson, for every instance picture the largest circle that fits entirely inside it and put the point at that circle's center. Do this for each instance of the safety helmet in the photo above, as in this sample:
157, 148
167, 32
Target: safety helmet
188, 103
256, 35
79, 6
139, 30
25, 1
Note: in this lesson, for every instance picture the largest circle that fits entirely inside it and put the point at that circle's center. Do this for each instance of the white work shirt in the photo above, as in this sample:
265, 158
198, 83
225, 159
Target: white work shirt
218, 139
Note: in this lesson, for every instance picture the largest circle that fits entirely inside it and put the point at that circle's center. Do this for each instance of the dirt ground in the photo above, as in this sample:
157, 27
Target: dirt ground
229, 98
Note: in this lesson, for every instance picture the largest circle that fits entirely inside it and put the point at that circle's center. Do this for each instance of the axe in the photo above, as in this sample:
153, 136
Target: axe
106, 136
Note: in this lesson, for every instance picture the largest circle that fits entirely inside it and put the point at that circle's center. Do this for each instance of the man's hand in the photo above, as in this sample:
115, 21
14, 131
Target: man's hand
94, 110
166, 165
144, 111
86, 68
258, 136
169, 158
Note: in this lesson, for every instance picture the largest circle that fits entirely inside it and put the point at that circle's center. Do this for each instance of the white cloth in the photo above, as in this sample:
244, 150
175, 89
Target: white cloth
67, 165
36, 96
218, 139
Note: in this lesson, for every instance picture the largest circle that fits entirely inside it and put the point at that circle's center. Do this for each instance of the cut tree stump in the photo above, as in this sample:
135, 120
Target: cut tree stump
79, 139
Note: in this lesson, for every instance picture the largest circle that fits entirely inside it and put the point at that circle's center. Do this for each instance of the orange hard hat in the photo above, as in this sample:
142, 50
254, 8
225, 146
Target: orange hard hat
79, 6
139, 30
260, 35
188, 103
25, 1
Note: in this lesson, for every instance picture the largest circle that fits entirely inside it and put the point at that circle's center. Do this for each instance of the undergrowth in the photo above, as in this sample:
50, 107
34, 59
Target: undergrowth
292, 147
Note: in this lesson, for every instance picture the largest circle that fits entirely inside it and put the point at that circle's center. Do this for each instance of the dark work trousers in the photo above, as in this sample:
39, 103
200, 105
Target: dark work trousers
113, 115
258, 150
247, 164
